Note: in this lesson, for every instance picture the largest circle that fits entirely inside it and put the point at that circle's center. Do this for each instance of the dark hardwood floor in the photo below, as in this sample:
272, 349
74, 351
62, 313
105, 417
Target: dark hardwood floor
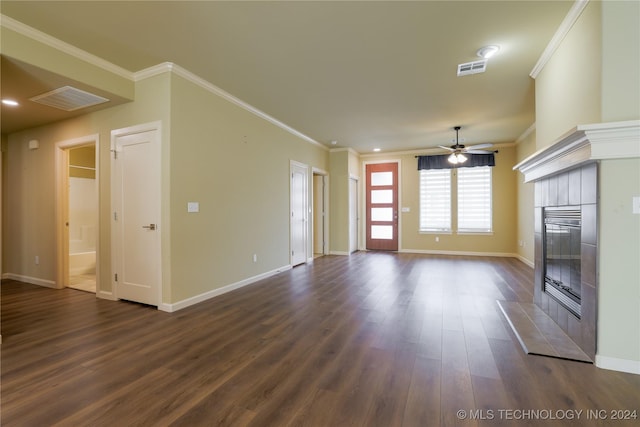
374, 339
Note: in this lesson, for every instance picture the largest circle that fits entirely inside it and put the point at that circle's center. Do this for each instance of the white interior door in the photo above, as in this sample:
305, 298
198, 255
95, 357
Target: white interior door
299, 205
136, 216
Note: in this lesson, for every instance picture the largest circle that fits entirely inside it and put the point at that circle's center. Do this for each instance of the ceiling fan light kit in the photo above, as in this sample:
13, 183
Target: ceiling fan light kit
457, 150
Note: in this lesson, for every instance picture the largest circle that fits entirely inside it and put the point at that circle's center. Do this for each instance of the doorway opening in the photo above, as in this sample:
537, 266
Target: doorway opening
320, 216
78, 214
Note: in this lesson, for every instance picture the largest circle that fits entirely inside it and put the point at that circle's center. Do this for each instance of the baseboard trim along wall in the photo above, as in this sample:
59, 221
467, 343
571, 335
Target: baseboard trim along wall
29, 279
615, 364
170, 308
462, 253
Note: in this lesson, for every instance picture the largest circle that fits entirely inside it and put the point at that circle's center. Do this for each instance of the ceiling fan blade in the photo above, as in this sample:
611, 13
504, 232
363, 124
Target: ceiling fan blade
446, 148
478, 152
479, 146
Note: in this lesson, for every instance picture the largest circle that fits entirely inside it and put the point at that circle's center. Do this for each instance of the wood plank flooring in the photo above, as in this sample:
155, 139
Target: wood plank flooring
373, 339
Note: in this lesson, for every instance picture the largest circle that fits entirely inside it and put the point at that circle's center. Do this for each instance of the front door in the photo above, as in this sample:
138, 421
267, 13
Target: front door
382, 206
136, 215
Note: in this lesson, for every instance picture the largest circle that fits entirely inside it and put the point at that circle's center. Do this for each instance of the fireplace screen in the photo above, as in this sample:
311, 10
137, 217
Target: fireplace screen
562, 256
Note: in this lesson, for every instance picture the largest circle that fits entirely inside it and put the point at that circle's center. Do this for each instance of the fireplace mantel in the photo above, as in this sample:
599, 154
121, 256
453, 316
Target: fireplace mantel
584, 143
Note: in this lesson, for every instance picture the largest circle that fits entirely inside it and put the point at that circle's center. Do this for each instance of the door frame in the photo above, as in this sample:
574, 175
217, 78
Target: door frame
62, 206
115, 247
325, 218
294, 164
357, 217
363, 189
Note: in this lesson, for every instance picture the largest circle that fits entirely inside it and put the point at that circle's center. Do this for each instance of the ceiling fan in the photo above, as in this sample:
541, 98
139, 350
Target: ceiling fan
457, 150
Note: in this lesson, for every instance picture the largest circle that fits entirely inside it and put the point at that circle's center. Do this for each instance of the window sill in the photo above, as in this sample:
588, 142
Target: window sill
435, 231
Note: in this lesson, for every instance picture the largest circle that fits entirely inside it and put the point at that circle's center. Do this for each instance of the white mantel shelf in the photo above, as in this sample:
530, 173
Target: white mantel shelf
584, 143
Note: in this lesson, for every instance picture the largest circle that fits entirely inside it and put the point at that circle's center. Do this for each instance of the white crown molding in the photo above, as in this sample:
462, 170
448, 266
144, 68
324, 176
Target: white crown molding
167, 67
349, 149
562, 31
584, 143
526, 133
64, 47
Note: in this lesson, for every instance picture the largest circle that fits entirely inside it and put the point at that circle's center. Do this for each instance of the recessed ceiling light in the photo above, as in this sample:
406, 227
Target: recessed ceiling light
10, 102
488, 51
376, 149
334, 142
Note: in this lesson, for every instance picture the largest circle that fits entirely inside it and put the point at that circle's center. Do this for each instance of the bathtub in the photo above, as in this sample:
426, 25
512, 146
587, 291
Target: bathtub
82, 263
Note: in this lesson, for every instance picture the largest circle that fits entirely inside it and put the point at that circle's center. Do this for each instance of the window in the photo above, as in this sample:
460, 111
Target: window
435, 200
473, 198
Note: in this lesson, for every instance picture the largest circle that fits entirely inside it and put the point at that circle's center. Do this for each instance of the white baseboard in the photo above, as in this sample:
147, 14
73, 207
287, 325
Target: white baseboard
219, 291
459, 253
339, 253
28, 279
525, 260
615, 364
106, 295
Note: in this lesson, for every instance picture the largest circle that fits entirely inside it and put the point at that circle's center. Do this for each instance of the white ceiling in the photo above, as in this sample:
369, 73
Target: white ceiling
365, 73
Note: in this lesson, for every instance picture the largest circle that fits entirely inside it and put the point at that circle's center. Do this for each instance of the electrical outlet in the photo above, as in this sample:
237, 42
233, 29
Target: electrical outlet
255, 257
37, 260
437, 239
636, 205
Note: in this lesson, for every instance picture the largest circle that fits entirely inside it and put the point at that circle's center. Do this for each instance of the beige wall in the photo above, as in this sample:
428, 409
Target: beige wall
236, 166
339, 201
503, 239
591, 78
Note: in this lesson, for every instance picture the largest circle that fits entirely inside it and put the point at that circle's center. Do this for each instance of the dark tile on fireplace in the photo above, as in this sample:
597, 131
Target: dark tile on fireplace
574, 186
563, 189
589, 184
589, 224
563, 318
553, 308
538, 333
588, 264
552, 189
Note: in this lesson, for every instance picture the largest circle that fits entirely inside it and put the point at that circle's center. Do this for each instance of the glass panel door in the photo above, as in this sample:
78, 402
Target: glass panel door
382, 206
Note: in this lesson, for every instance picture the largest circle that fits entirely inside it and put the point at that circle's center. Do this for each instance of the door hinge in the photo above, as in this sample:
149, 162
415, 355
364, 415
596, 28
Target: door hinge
116, 277
115, 216
115, 154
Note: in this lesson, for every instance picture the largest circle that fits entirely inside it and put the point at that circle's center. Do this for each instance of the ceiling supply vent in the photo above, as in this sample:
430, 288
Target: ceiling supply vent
68, 98
474, 67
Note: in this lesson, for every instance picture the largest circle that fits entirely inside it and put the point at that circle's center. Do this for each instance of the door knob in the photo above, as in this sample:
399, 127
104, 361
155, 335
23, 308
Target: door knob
150, 226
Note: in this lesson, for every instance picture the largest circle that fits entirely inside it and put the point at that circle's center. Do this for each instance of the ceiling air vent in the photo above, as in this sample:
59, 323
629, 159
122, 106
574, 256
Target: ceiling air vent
68, 98
474, 67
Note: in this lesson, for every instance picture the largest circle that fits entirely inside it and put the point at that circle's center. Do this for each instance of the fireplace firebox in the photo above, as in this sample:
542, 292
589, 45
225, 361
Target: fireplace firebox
562, 259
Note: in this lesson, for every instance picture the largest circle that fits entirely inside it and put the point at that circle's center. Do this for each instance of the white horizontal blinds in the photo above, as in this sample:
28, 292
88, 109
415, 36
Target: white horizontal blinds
435, 200
474, 200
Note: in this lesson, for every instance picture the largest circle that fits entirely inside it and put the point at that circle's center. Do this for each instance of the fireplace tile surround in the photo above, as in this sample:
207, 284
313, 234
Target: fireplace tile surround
566, 174
555, 191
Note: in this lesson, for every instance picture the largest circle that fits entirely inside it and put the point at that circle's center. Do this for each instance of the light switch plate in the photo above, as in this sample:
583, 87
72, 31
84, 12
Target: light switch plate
636, 204
405, 209
193, 207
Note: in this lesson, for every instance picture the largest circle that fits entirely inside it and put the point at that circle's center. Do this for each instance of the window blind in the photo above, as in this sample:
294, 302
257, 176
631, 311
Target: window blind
474, 200
435, 200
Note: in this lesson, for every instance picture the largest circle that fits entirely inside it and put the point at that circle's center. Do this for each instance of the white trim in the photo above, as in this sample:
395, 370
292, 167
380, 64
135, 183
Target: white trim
219, 291
64, 47
349, 149
615, 364
169, 67
600, 141
106, 295
341, 253
526, 133
525, 260
306, 196
562, 31
461, 253
32, 280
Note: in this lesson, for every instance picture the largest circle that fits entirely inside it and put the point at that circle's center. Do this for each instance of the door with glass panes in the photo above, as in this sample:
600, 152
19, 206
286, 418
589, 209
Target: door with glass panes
382, 206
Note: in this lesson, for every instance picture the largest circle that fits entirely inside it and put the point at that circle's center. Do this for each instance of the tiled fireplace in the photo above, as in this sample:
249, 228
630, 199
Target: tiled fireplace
566, 208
